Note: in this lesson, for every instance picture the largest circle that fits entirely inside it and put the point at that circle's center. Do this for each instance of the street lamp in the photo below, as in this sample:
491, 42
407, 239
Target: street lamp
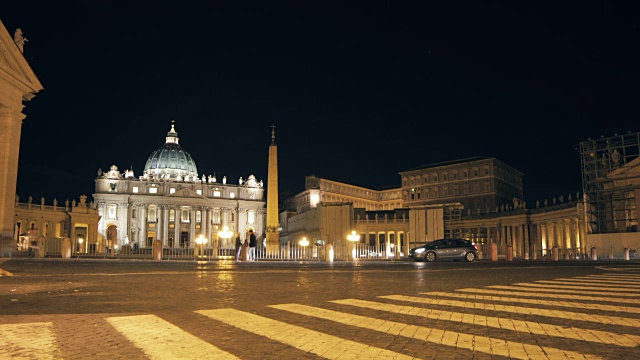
354, 238
304, 243
201, 240
225, 234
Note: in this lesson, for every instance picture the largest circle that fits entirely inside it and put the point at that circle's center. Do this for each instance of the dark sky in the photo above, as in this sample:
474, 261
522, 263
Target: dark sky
358, 91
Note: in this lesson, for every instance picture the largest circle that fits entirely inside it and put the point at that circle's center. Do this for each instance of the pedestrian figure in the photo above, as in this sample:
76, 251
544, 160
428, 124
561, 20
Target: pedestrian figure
252, 245
238, 246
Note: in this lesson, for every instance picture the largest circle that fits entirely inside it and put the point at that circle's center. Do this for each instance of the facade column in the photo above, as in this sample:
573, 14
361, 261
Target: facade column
160, 225
165, 225
176, 223
143, 225
192, 227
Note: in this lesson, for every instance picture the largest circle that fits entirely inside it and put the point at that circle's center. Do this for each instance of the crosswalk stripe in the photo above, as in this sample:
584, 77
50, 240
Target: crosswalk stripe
575, 287
596, 281
488, 345
579, 305
601, 293
603, 319
324, 345
616, 276
160, 339
28, 341
544, 295
596, 285
522, 326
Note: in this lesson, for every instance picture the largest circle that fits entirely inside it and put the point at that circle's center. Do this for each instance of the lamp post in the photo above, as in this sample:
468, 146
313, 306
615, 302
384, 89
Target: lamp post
225, 234
201, 241
304, 243
353, 238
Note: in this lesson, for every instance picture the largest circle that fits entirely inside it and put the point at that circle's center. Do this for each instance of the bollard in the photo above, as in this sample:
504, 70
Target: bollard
494, 252
509, 254
66, 248
245, 251
626, 253
157, 250
594, 253
554, 253
328, 255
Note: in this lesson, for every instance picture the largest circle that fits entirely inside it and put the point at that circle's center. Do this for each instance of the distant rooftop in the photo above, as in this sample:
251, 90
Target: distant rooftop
445, 163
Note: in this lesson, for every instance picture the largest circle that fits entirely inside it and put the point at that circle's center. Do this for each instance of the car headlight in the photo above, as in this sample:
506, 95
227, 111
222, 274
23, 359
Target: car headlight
419, 251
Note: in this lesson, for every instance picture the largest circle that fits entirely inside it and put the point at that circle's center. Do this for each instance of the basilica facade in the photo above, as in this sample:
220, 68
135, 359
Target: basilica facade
172, 203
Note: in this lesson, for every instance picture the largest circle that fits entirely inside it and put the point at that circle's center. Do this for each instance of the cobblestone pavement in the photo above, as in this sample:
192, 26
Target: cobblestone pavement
92, 309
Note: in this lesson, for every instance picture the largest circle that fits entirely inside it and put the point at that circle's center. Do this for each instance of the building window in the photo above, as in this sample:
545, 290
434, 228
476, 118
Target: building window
152, 215
435, 192
111, 211
232, 195
216, 217
112, 187
172, 215
199, 192
444, 177
185, 216
455, 176
135, 189
216, 193
446, 191
134, 213
475, 172
172, 190
466, 174
251, 217
153, 190
198, 216
476, 188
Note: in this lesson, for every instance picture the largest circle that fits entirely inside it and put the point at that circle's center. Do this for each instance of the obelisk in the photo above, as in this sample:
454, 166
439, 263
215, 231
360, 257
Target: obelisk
273, 223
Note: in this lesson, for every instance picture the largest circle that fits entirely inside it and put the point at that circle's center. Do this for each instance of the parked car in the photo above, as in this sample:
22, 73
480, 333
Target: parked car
445, 249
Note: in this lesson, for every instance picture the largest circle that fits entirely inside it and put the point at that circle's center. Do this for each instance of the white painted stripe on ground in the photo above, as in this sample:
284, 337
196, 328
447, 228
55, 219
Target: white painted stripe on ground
569, 304
28, 341
618, 275
577, 287
531, 327
558, 314
544, 295
539, 290
599, 281
596, 285
324, 345
482, 344
159, 339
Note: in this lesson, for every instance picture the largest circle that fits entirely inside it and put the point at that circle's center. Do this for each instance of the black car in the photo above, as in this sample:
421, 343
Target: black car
445, 249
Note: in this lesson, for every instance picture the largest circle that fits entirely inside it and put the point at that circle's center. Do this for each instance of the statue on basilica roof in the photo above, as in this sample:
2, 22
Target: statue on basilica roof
19, 39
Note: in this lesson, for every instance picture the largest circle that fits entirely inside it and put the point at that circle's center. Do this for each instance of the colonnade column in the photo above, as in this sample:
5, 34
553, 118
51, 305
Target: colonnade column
527, 241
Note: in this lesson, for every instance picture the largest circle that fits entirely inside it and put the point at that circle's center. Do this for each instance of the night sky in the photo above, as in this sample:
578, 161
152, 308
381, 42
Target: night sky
358, 91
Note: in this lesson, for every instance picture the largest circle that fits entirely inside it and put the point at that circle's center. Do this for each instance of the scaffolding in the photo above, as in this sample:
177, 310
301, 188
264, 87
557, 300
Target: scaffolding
608, 209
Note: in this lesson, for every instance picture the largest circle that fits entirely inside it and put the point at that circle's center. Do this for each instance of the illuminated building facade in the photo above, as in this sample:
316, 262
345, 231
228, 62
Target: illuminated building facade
172, 203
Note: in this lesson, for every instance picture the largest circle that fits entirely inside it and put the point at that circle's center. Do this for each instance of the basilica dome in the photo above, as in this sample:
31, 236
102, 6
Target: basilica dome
171, 161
